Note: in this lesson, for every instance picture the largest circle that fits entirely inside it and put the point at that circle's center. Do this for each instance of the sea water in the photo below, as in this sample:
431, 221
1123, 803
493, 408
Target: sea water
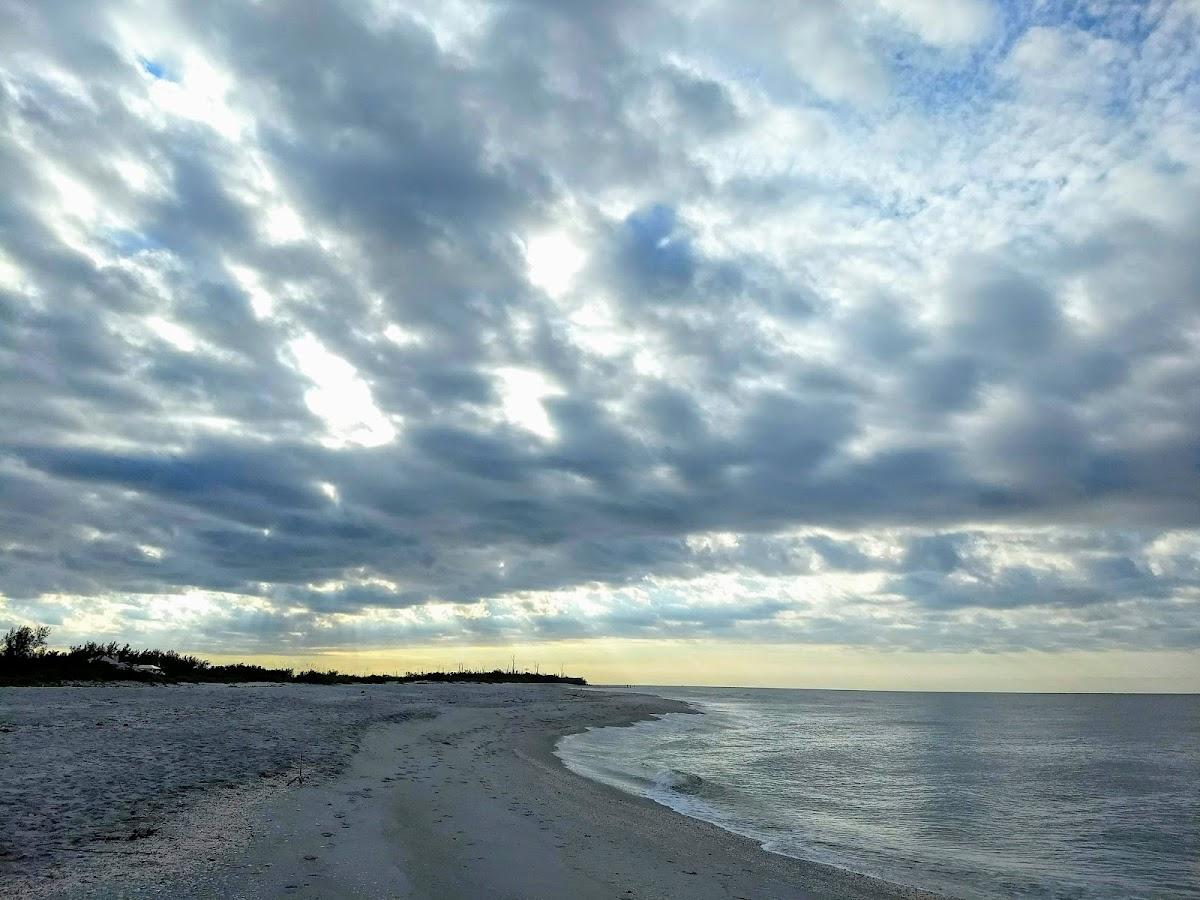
969, 795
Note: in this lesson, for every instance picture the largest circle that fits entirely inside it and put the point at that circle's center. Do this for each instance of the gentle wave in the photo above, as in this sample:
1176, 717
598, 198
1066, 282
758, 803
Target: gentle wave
684, 783
968, 795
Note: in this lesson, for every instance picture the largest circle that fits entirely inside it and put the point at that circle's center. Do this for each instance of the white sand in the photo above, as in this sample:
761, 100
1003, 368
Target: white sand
453, 792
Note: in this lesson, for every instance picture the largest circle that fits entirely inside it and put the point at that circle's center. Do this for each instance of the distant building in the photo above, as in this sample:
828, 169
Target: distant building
145, 669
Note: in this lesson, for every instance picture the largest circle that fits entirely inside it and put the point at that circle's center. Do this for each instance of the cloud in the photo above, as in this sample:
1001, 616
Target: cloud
816, 45
947, 24
525, 322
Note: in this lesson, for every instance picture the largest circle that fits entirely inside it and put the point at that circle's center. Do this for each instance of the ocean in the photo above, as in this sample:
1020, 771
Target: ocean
968, 795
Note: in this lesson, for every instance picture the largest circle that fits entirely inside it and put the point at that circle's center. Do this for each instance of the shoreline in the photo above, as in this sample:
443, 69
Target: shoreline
469, 801
831, 881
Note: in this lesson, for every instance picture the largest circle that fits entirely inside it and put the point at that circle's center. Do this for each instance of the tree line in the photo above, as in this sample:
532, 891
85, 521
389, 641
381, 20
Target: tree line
26, 659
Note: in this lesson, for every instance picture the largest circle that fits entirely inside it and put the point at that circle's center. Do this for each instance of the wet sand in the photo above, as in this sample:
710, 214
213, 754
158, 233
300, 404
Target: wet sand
454, 793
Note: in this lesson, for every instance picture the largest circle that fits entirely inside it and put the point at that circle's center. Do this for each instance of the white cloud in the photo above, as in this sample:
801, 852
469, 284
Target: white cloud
946, 23
340, 397
554, 259
824, 48
522, 392
172, 332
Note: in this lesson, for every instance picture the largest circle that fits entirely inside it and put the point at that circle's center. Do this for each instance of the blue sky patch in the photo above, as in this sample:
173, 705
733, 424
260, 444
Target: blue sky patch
155, 69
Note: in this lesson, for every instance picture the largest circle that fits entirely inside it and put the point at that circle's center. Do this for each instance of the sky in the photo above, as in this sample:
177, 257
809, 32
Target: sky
844, 344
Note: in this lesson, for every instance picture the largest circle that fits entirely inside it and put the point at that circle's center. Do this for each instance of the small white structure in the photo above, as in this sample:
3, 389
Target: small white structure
145, 669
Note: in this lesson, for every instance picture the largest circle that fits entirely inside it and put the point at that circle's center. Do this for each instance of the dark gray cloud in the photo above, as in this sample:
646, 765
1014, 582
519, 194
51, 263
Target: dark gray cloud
271, 332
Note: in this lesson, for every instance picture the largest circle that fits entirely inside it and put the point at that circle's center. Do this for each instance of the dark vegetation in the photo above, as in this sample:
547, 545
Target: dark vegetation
25, 660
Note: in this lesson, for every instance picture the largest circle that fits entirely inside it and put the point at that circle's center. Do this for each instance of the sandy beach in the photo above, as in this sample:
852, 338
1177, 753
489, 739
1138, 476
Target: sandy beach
416, 791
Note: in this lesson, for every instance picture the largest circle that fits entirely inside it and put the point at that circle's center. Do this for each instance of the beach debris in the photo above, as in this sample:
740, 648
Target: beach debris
298, 778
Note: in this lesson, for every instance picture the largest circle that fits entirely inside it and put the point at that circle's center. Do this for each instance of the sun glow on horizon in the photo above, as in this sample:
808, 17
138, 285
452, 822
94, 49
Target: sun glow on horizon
800, 666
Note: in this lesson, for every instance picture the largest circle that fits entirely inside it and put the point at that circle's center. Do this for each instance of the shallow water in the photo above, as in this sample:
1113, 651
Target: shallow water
972, 795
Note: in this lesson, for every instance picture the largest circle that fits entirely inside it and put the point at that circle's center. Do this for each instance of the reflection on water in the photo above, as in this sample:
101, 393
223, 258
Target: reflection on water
978, 795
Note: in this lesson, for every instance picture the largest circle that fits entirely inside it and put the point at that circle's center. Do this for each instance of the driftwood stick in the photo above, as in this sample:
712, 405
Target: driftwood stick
299, 778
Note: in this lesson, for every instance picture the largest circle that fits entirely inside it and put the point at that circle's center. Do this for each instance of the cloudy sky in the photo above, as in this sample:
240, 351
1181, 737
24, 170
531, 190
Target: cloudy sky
856, 330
